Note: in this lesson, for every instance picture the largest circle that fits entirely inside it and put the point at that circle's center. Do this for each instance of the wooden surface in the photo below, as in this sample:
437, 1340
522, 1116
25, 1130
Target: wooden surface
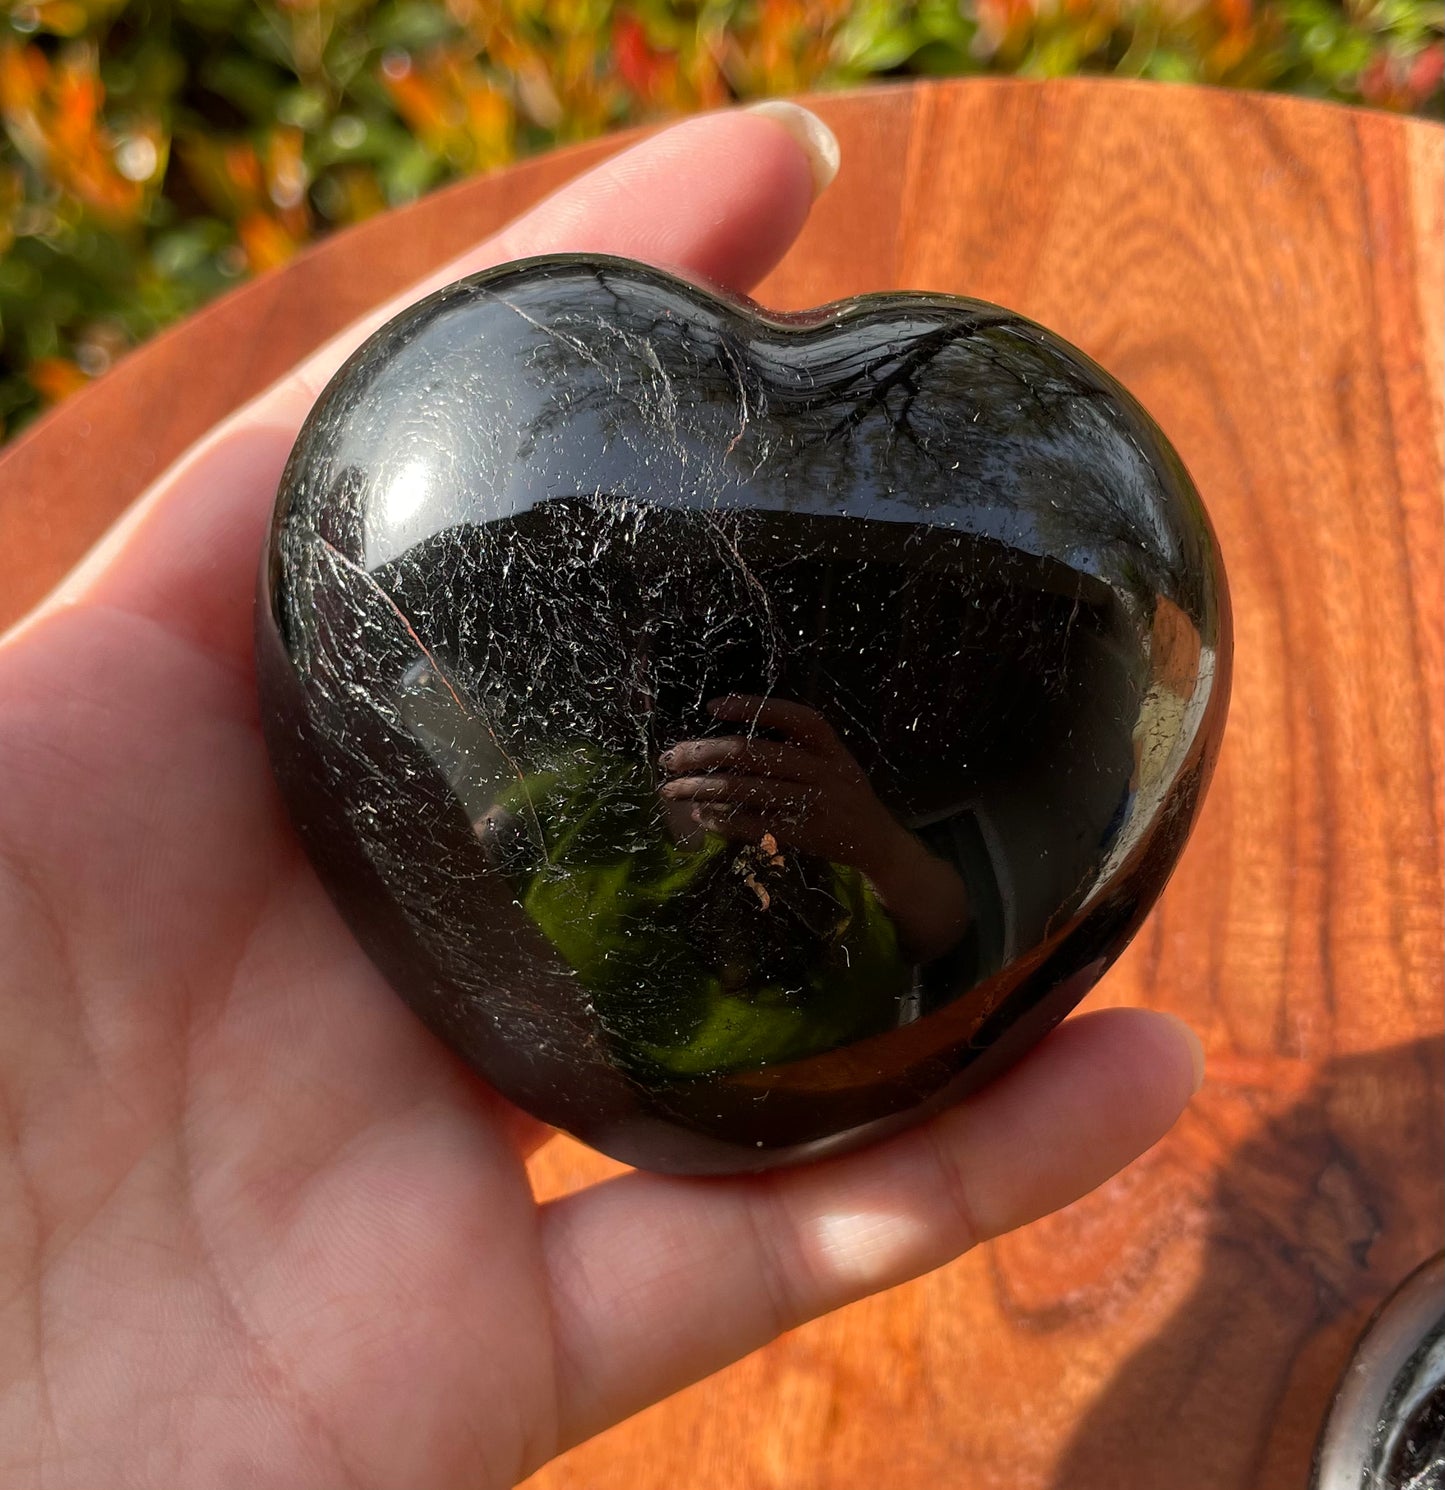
1266, 275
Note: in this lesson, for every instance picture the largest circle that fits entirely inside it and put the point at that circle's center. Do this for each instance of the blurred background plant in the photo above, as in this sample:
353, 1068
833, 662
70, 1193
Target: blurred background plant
156, 151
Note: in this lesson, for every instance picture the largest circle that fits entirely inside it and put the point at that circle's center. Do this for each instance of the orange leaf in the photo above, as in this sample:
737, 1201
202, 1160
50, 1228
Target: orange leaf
634, 59
420, 102
265, 241
55, 378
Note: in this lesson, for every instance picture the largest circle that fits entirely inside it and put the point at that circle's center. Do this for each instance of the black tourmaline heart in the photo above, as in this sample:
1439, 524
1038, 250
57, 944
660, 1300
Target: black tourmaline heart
737, 735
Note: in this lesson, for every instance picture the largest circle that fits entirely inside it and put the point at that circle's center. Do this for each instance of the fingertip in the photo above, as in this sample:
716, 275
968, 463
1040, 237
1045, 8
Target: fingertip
817, 142
1151, 1054
1100, 1091
1193, 1045
719, 197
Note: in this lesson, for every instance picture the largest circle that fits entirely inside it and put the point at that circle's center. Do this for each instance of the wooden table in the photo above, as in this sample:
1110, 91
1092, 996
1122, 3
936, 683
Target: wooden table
1266, 275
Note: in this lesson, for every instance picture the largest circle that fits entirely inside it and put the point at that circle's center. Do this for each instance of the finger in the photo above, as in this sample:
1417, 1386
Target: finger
758, 793
740, 753
802, 725
773, 835
744, 827
657, 1282
737, 192
720, 197
728, 786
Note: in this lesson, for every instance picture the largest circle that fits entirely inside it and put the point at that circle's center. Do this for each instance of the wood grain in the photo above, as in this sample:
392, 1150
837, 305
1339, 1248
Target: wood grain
1266, 275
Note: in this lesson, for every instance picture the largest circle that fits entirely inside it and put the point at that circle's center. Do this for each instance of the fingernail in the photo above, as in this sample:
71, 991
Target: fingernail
818, 142
1196, 1049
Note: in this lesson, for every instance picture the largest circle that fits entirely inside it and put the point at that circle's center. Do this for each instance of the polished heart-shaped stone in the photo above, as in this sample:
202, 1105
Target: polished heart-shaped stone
736, 735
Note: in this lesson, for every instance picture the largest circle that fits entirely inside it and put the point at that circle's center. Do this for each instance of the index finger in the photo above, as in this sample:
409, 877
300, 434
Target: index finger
725, 215
720, 198
800, 723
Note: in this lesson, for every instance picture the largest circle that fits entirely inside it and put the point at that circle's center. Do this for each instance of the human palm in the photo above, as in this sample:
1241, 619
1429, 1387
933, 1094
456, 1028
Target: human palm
257, 1226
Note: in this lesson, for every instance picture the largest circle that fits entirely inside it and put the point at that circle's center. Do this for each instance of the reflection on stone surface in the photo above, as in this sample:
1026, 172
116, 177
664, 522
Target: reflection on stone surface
736, 735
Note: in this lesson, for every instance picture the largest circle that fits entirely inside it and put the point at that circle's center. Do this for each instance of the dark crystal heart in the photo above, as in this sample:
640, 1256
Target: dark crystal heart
736, 735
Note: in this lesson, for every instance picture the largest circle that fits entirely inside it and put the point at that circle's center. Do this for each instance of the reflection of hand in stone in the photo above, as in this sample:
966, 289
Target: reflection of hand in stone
807, 793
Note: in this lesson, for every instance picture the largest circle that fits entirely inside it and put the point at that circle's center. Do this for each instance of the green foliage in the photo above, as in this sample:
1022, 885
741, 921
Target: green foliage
156, 151
789, 986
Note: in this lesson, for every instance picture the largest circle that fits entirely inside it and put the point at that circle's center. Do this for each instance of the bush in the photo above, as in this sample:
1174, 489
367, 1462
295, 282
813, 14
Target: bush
155, 151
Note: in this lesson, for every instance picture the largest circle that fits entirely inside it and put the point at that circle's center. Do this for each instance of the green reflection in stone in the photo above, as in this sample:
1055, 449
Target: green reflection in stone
700, 960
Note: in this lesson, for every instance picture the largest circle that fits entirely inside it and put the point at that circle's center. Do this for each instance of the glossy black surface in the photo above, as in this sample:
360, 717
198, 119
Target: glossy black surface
736, 736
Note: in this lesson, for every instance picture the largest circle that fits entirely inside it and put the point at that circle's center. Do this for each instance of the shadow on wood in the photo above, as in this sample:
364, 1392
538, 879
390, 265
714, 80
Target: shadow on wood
1306, 1241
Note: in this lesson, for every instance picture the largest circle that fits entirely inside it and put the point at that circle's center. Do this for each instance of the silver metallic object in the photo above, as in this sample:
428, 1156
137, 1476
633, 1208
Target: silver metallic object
1386, 1426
